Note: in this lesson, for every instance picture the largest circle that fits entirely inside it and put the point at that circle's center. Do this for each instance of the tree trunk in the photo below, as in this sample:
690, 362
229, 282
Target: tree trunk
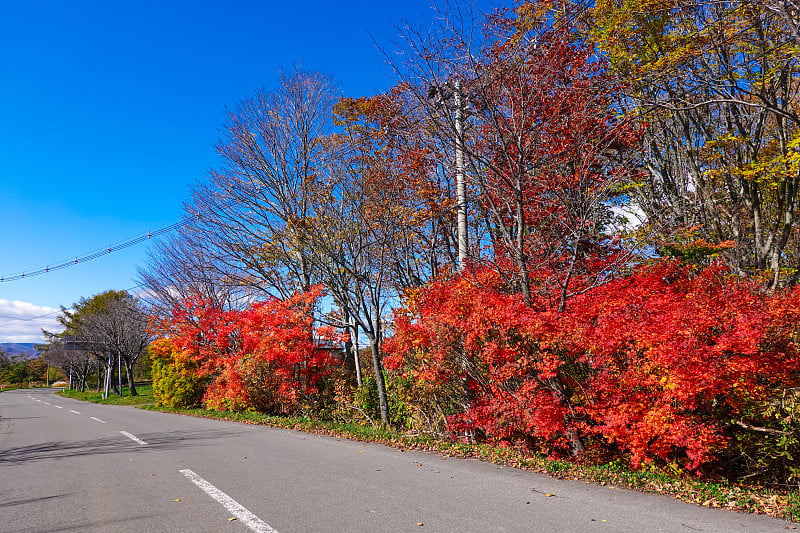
356, 355
383, 399
131, 381
576, 444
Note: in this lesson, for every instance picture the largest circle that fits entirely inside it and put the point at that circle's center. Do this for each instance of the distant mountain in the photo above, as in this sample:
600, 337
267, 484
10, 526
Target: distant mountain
14, 349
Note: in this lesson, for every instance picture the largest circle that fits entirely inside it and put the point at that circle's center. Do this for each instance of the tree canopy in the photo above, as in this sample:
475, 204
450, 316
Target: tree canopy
474, 227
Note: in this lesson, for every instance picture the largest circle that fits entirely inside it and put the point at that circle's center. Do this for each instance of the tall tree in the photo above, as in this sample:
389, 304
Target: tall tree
252, 208
120, 327
4, 360
542, 148
716, 85
187, 264
544, 152
76, 364
359, 215
112, 326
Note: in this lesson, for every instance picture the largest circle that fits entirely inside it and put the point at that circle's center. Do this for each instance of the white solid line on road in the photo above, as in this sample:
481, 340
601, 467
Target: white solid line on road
134, 438
233, 507
58, 407
76, 412
97, 419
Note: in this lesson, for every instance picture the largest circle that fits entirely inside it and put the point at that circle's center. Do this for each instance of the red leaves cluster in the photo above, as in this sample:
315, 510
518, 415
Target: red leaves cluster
555, 154
466, 330
658, 365
678, 355
265, 357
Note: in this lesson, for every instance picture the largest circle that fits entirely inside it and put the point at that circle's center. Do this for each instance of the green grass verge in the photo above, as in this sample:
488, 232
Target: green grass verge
145, 396
743, 498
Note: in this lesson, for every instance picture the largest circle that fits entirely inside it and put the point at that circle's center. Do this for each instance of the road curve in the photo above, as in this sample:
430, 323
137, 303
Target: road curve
73, 466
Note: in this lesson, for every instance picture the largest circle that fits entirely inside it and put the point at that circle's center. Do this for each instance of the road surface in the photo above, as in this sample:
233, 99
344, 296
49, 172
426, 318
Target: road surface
67, 465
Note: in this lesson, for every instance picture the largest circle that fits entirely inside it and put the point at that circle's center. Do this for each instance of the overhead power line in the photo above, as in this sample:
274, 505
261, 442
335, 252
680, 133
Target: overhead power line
17, 320
93, 255
28, 319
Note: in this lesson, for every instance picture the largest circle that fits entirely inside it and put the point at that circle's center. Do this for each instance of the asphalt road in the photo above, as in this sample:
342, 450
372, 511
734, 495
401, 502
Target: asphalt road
72, 466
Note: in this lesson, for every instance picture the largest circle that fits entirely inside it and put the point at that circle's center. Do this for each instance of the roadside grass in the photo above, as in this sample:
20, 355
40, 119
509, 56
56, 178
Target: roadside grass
145, 396
757, 499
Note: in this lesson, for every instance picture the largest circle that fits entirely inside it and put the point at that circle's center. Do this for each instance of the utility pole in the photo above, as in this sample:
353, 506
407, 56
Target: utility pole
451, 98
109, 369
461, 180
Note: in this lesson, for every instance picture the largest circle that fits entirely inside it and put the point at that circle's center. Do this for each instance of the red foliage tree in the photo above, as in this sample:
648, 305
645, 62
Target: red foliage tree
679, 355
547, 156
459, 331
265, 357
664, 364
554, 153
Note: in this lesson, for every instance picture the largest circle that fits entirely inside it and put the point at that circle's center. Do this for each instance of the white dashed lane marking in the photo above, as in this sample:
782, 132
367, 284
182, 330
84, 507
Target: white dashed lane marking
134, 438
233, 507
76, 412
97, 420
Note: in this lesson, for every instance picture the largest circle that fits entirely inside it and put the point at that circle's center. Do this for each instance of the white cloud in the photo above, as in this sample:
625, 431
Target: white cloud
23, 321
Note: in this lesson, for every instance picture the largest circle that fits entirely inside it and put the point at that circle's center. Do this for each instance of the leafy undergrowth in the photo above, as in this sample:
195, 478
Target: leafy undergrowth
145, 396
734, 497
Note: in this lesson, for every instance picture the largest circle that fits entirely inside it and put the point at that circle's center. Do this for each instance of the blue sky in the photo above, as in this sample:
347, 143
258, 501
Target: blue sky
109, 112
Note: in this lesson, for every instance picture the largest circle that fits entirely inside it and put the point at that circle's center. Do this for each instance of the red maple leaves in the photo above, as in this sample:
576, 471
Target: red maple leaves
265, 357
659, 364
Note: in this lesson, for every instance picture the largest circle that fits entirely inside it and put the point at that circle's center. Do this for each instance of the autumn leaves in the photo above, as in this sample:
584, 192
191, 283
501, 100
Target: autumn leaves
564, 331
